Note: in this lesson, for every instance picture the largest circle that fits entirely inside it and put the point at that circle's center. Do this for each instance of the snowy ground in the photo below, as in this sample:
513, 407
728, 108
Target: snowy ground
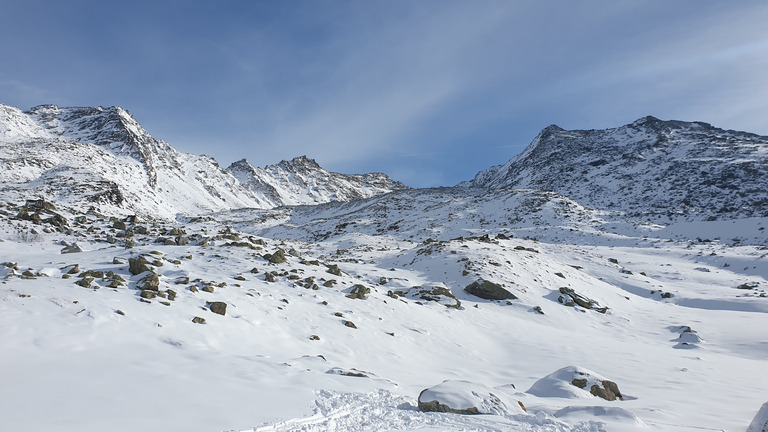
283, 358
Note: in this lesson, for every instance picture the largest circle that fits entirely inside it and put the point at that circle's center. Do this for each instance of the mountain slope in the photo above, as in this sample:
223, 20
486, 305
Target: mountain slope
302, 181
102, 156
661, 169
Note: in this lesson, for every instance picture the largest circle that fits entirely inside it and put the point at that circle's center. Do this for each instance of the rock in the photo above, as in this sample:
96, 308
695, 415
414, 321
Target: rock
278, 257
138, 265
73, 248
171, 294
85, 282
149, 282
468, 398
198, 320
488, 290
359, 292
333, 269
350, 324
218, 307
570, 297
147, 294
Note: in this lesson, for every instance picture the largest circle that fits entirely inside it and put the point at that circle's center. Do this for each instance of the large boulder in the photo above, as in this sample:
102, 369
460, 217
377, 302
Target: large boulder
576, 382
465, 397
278, 257
488, 290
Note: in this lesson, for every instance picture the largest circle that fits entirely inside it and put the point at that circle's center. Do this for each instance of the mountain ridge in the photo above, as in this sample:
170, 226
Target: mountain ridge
103, 156
651, 167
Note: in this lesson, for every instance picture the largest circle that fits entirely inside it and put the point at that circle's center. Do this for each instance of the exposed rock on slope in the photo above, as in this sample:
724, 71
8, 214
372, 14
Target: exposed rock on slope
665, 169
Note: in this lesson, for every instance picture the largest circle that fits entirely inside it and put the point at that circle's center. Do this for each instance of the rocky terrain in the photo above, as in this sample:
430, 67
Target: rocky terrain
470, 308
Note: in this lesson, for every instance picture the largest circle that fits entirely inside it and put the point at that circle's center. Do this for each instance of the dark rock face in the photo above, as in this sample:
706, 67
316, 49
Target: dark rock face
489, 290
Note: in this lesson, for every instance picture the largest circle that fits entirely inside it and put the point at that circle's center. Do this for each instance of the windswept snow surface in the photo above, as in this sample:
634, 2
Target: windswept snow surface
683, 334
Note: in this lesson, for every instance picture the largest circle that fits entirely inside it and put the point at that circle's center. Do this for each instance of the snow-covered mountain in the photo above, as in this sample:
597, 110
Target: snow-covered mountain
650, 168
302, 181
356, 309
102, 156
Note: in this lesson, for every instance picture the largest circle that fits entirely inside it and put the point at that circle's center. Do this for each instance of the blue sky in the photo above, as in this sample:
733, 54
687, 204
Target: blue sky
429, 92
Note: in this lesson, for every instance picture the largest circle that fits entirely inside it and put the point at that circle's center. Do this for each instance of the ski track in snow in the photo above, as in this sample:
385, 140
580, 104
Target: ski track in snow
383, 411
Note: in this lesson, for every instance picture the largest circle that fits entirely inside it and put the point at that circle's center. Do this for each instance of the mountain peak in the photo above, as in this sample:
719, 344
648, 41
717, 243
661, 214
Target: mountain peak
646, 120
302, 162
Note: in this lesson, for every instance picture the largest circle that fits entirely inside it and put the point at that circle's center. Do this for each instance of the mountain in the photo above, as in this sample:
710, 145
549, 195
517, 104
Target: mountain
302, 181
374, 312
649, 168
102, 156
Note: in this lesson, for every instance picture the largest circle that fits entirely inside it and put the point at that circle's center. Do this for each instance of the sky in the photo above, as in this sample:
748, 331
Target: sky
427, 91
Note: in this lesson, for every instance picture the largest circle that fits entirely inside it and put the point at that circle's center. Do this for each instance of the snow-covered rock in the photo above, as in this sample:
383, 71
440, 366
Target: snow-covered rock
575, 382
465, 397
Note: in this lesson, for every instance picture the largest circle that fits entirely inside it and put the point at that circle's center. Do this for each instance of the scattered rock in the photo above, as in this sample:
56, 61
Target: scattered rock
350, 324
198, 320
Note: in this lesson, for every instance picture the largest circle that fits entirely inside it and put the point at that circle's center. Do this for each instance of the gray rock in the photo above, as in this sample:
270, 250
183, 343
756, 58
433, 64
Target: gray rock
488, 290
218, 307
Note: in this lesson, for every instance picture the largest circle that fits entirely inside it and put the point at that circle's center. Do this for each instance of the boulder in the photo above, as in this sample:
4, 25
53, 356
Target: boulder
465, 397
359, 292
149, 282
138, 265
218, 307
489, 290
278, 257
